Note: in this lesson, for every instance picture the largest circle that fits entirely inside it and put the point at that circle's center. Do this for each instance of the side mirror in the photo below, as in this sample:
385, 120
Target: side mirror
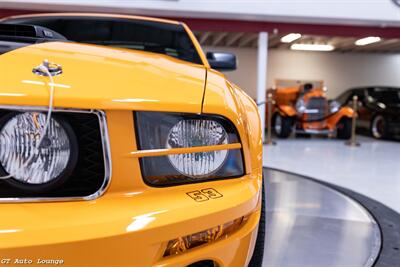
222, 61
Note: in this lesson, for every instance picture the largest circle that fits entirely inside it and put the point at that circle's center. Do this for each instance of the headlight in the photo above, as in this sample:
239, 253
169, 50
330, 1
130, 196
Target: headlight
300, 106
334, 106
172, 130
19, 134
190, 133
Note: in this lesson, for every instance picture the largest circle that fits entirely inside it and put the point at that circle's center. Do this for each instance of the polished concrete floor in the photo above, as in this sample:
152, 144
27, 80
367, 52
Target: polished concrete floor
373, 169
308, 224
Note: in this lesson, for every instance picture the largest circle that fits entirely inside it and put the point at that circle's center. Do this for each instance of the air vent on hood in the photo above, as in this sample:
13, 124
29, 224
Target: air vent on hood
17, 30
28, 31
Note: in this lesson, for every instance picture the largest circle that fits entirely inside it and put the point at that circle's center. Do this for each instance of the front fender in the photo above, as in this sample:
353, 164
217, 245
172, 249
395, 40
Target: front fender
223, 98
286, 110
343, 112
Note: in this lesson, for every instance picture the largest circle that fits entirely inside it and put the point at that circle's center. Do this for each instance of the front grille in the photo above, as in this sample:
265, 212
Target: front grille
318, 104
90, 173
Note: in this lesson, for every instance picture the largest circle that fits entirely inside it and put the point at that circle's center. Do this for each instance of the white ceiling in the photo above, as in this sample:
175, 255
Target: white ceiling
355, 12
342, 44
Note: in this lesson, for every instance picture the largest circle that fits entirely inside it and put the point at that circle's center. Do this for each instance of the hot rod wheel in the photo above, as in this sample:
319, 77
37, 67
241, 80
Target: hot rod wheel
344, 128
283, 125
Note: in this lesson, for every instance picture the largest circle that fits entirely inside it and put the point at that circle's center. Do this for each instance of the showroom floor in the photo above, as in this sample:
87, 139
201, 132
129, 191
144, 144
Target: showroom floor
373, 169
310, 224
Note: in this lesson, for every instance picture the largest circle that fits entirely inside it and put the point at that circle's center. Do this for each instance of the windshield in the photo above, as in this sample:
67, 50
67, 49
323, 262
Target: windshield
157, 37
384, 95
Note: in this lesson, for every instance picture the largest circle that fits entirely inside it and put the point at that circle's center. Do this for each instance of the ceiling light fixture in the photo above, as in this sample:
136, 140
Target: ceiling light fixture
312, 47
367, 40
290, 37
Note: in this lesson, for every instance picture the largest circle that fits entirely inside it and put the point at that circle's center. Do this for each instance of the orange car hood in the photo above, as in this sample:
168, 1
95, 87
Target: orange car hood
98, 77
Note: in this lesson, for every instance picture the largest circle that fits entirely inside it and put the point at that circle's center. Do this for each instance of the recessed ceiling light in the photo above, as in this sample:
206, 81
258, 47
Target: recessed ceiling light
312, 47
290, 37
367, 40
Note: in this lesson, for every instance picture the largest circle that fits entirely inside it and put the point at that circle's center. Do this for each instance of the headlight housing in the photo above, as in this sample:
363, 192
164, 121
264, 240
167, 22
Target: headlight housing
334, 106
156, 130
36, 171
300, 106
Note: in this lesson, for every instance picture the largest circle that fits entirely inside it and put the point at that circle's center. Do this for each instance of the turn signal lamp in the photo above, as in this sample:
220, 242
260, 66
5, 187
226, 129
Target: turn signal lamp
182, 244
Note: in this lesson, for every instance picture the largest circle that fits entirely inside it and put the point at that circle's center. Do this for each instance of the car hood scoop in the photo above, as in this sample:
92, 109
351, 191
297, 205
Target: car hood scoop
98, 77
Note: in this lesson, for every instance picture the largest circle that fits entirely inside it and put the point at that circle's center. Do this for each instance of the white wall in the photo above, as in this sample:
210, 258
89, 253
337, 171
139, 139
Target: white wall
338, 70
363, 12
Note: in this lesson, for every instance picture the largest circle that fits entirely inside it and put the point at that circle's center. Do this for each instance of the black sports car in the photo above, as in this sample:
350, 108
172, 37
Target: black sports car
378, 110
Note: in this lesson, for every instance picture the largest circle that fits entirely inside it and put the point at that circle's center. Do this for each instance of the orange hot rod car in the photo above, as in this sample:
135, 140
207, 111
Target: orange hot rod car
306, 110
121, 145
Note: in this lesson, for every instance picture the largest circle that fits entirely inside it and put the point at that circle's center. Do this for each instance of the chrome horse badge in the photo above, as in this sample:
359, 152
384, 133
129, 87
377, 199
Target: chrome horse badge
52, 69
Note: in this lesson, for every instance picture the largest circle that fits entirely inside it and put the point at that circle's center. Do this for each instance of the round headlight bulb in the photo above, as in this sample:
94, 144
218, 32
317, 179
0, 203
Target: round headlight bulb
30, 167
300, 106
334, 106
194, 133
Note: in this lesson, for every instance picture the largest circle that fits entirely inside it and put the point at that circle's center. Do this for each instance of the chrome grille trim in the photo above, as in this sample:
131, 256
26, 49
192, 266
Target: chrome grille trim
317, 108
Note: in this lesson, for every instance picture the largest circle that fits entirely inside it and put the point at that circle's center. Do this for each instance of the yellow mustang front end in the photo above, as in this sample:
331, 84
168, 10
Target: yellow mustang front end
117, 149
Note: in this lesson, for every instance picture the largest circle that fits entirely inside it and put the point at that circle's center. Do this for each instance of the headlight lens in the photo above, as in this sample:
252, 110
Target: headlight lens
18, 140
334, 106
300, 106
190, 133
173, 130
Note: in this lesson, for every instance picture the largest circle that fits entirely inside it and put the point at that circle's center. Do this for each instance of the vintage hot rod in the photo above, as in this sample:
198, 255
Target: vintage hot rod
306, 110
